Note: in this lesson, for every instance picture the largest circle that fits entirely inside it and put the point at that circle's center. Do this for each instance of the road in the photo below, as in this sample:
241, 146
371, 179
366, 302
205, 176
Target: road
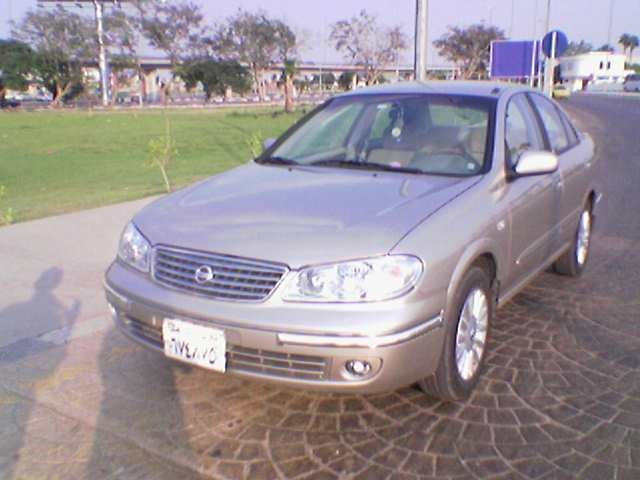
559, 398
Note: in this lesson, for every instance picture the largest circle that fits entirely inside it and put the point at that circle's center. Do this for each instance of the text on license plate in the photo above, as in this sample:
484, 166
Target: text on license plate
197, 344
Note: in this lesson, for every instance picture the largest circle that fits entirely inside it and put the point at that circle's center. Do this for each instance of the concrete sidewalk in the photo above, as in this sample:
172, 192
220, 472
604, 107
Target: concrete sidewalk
57, 263
559, 397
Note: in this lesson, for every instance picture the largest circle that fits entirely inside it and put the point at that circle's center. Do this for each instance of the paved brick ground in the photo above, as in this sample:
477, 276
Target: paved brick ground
559, 398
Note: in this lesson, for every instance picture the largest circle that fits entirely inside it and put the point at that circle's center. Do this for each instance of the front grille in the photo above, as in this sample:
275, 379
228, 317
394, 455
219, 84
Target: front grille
275, 363
242, 359
142, 330
233, 278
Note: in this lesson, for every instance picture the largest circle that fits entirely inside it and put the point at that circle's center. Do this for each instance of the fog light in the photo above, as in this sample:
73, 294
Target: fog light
358, 368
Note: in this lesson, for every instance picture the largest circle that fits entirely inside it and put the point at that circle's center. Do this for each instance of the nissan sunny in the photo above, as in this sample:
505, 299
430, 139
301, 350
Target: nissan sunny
368, 247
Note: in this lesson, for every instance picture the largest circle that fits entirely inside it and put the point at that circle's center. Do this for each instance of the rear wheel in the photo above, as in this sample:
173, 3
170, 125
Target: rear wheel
467, 329
573, 261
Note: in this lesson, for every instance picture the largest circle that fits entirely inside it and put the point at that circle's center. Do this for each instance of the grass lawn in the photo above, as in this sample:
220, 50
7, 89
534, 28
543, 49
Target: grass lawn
54, 162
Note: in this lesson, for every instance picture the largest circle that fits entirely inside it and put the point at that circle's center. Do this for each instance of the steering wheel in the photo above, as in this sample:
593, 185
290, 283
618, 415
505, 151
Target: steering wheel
445, 160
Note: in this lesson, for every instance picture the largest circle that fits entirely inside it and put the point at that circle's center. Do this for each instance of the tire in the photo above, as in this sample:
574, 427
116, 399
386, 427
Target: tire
574, 260
455, 380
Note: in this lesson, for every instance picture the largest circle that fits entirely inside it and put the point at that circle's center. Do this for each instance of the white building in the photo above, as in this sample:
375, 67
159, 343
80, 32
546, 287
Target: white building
580, 72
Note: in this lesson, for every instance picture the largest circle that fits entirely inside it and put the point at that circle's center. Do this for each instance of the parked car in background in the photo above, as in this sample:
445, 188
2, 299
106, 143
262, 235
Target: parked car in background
368, 247
632, 83
561, 91
9, 103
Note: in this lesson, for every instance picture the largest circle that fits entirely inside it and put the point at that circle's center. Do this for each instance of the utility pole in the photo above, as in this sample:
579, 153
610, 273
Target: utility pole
102, 54
535, 19
547, 24
511, 20
421, 41
550, 63
611, 4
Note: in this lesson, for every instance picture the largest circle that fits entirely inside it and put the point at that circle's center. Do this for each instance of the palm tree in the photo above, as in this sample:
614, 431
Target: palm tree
634, 42
624, 41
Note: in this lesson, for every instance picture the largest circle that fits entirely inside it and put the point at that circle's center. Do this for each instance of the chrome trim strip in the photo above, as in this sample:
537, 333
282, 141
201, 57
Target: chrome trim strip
360, 342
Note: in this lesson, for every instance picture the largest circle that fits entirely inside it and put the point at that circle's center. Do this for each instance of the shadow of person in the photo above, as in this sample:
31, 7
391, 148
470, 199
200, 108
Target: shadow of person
140, 430
28, 362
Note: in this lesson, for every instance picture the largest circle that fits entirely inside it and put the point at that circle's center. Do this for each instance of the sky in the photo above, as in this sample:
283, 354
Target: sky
311, 20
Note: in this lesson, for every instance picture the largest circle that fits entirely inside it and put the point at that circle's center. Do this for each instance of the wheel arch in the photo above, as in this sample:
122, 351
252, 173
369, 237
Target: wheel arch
484, 251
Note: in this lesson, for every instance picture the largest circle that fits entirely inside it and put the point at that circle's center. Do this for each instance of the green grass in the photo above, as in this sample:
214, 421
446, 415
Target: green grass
54, 162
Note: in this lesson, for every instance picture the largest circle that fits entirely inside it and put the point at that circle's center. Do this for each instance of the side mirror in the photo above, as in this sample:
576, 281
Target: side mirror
268, 142
533, 162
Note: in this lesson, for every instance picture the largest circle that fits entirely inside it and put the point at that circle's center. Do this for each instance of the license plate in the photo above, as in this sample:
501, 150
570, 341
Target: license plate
196, 344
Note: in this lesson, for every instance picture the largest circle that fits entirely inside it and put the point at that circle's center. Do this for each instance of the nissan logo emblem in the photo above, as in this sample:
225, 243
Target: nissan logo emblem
203, 274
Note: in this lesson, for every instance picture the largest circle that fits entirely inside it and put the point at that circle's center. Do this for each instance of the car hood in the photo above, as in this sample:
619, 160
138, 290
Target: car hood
299, 215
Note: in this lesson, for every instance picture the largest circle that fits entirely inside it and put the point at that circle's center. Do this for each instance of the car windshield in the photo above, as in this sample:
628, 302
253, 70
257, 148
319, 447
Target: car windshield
427, 133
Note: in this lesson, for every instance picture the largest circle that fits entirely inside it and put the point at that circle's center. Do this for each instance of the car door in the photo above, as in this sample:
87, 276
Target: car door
532, 200
563, 141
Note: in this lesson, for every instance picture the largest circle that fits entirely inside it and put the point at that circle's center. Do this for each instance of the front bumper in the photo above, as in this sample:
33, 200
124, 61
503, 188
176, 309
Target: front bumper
296, 357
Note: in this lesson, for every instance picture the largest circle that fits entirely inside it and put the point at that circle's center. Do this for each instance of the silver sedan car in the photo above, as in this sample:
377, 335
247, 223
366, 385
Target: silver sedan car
368, 247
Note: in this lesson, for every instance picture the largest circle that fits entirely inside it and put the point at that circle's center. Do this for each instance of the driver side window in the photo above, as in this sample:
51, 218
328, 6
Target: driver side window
521, 130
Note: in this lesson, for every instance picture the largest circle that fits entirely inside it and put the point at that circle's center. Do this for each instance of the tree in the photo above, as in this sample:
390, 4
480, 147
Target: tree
288, 73
468, 48
345, 80
327, 79
606, 48
63, 41
16, 63
364, 42
177, 29
122, 36
256, 40
577, 48
216, 76
625, 41
634, 42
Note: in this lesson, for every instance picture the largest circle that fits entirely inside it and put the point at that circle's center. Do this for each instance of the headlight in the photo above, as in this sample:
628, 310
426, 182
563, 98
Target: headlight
368, 280
134, 248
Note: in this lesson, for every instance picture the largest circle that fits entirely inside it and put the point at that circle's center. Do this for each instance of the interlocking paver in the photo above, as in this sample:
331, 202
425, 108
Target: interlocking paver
559, 397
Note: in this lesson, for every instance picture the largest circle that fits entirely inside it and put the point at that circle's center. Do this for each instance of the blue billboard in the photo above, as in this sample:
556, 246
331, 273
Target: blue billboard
514, 59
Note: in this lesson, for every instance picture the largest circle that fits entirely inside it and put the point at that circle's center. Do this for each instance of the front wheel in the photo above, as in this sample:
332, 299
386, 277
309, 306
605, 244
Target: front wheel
467, 330
573, 261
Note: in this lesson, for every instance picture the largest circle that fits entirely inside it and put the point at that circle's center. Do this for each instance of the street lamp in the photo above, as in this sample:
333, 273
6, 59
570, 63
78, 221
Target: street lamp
98, 6
421, 40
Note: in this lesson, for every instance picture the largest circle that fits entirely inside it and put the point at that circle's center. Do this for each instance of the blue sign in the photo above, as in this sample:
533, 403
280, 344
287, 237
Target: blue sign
561, 43
514, 59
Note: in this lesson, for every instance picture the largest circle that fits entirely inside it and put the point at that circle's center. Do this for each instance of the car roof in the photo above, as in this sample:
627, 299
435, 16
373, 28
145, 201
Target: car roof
449, 87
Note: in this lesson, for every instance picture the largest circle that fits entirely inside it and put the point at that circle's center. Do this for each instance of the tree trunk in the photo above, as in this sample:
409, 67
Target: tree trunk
3, 92
288, 94
57, 96
142, 78
256, 80
115, 89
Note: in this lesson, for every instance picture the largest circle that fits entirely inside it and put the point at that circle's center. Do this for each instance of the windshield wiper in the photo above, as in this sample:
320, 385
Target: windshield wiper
335, 162
277, 161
